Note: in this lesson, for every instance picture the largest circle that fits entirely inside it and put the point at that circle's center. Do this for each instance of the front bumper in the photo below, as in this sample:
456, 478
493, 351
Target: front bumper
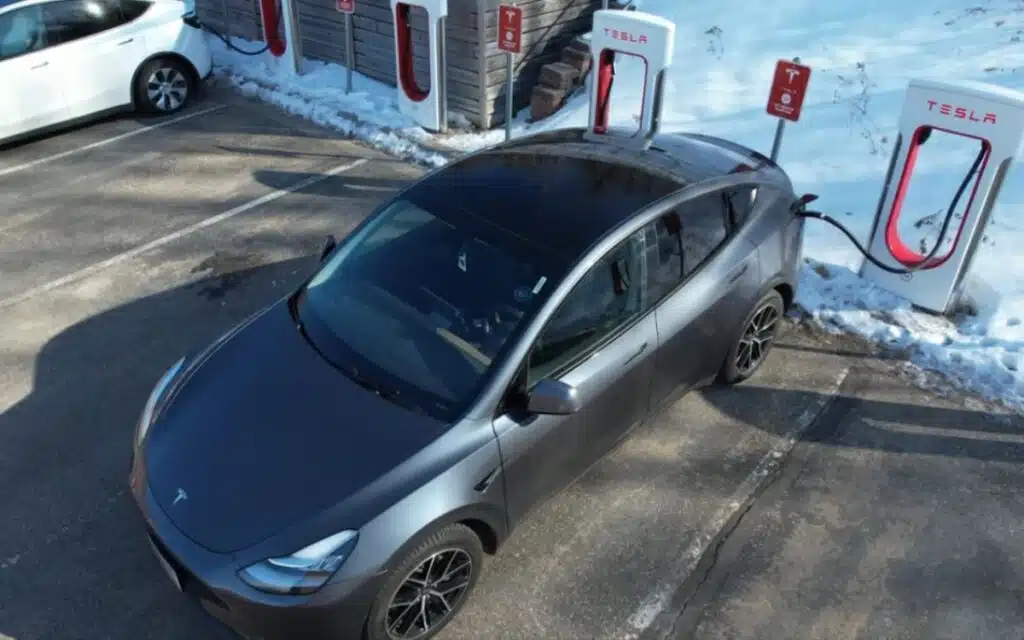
336, 612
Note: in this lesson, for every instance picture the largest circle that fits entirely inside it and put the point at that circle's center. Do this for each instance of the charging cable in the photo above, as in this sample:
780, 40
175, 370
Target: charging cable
192, 19
799, 208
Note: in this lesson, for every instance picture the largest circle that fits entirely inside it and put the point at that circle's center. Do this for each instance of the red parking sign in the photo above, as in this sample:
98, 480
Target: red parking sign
510, 28
788, 90
346, 6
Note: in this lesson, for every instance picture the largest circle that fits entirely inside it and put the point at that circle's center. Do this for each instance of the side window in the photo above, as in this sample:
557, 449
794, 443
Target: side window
70, 20
133, 9
702, 224
665, 256
607, 297
22, 31
740, 202
681, 240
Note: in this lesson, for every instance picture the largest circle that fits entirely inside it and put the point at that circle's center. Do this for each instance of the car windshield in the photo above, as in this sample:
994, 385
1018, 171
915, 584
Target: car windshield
420, 306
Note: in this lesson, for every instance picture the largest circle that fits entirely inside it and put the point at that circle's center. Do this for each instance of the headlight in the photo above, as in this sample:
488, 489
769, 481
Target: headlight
151, 410
304, 571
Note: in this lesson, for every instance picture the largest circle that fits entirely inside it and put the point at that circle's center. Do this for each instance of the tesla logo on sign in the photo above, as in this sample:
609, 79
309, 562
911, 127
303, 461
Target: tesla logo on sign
510, 28
789, 86
181, 496
625, 36
961, 113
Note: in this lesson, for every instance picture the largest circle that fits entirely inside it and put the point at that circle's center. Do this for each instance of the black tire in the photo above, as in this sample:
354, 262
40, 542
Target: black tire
457, 540
737, 367
164, 86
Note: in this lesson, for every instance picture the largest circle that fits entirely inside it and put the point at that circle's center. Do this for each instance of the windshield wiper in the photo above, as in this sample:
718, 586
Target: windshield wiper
349, 371
366, 383
387, 393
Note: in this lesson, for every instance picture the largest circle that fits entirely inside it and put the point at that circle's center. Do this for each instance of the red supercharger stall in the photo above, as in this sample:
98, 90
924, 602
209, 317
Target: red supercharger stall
279, 31
991, 117
426, 105
646, 36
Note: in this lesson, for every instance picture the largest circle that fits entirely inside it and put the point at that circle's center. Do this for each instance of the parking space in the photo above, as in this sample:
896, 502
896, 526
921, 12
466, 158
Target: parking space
82, 197
119, 257
898, 517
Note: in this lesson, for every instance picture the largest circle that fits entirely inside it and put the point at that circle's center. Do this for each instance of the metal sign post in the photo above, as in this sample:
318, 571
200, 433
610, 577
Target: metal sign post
348, 7
786, 98
510, 40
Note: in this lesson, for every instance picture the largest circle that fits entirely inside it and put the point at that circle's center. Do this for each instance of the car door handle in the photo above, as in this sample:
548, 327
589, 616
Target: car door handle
40, 65
738, 273
636, 355
124, 42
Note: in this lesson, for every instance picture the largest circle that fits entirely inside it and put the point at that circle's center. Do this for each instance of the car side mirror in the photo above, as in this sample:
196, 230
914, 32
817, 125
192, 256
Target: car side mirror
553, 397
329, 244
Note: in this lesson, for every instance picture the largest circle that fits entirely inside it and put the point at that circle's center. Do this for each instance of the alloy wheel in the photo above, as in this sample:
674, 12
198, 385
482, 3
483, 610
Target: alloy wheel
429, 594
757, 339
167, 89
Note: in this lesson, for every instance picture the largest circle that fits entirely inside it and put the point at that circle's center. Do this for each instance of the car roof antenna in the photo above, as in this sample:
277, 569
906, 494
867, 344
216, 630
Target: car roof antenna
641, 35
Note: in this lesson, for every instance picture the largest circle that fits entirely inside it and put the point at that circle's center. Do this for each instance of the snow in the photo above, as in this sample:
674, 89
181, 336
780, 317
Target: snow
862, 55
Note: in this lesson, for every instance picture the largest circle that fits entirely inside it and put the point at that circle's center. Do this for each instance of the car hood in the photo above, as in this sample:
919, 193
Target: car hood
264, 432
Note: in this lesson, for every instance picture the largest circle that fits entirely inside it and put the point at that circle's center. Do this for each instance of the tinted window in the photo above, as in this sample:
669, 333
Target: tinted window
680, 241
664, 256
70, 20
703, 229
22, 31
132, 9
740, 202
608, 296
528, 192
420, 305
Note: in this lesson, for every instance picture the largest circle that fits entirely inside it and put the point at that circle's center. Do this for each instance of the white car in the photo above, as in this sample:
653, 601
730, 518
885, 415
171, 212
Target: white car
63, 61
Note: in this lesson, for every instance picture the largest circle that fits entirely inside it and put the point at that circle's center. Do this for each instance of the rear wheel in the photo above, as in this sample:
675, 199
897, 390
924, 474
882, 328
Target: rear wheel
163, 86
428, 587
751, 347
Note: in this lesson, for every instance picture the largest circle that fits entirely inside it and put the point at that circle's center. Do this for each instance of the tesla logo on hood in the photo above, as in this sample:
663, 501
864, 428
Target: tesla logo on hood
181, 496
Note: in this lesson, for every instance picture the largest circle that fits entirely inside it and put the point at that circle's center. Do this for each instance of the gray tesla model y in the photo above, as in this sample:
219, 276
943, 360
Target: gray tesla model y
338, 465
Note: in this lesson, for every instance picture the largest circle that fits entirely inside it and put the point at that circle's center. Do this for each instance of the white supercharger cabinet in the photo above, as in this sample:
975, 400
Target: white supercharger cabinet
989, 114
650, 38
428, 107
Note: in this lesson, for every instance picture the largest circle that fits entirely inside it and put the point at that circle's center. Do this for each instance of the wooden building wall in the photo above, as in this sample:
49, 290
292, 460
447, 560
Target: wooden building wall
475, 66
548, 27
237, 18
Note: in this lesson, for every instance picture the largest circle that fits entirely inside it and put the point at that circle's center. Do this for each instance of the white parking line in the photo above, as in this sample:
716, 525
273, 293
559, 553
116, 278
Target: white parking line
171, 237
102, 143
653, 607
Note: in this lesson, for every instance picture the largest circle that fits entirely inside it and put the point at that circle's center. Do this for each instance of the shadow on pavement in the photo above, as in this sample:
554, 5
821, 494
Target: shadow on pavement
897, 513
884, 423
73, 560
334, 186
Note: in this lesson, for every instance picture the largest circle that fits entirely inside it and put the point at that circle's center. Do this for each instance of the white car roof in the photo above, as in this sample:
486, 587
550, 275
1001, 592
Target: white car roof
13, 4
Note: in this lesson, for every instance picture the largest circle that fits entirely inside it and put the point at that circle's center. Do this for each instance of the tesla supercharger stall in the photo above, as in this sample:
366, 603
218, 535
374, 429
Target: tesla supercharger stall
426, 106
986, 117
277, 19
646, 36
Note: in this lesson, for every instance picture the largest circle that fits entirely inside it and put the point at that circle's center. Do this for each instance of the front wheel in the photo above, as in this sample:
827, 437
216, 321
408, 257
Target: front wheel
428, 587
751, 347
163, 86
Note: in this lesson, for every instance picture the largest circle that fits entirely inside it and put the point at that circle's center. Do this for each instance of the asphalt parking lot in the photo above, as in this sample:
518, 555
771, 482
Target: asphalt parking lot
829, 497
